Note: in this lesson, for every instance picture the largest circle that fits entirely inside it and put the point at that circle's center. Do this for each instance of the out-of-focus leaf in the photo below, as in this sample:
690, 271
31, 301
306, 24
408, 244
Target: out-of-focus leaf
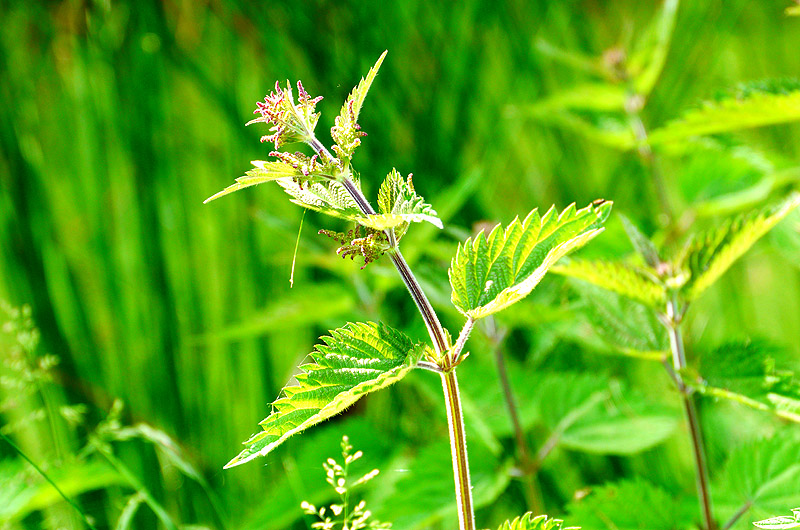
617, 277
296, 308
605, 129
647, 59
761, 477
712, 253
590, 96
490, 273
355, 360
755, 105
628, 328
584, 414
629, 505
21, 494
646, 249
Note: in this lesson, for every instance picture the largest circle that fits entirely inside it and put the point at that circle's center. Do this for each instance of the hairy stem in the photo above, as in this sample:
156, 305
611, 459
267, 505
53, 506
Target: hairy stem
672, 322
458, 450
455, 418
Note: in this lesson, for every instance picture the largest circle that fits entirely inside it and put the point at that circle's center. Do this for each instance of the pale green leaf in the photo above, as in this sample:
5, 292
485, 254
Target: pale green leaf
265, 171
353, 361
346, 132
792, 11
490, 273
712, 253
762, 477
129, 511
589, 96
529, 521
603, 128
398, 205
648, 58
755, 105
781, 522
330, 198
621, 278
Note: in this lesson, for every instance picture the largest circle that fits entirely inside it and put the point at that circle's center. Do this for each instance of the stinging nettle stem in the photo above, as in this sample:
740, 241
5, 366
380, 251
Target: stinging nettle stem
673, 323
455, 418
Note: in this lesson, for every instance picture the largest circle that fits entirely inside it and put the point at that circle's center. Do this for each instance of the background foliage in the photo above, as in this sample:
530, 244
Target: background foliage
119, 119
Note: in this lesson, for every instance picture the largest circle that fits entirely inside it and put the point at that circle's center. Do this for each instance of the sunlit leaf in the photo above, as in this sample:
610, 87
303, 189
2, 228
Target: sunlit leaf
330, 198
529, 521
621, 278
712, 253
267, 172
398, 205
346, 131
490, 273
353, 361
754, 105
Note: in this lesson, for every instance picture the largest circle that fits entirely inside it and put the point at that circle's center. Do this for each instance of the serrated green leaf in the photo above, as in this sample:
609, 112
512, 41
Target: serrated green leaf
618, 277
491, 273
629, 505
754, 105
353, 361
346, 132
712, 253
624, 326
647, 60
533, 522
762, 477
268, 171
330, 198
398, 205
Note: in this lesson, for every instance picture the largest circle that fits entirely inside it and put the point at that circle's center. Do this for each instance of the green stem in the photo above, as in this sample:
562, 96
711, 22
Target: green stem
458, 450
673, 321
633, 108
455, 417
48, 479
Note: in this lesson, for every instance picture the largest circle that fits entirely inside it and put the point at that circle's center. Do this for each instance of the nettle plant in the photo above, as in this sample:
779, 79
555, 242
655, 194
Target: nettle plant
489, 273
637, 305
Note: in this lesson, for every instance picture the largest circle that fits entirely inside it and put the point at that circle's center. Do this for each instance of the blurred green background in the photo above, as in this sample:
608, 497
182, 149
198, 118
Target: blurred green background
117, 119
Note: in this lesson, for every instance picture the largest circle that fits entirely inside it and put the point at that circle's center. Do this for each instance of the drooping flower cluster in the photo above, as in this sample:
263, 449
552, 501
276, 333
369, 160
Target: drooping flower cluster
291, 122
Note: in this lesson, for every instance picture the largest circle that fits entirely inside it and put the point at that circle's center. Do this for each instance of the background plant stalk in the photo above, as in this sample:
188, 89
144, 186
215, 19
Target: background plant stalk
673, 322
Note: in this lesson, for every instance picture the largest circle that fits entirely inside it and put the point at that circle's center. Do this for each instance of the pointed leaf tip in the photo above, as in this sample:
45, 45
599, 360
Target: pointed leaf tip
352, 361
490, 273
